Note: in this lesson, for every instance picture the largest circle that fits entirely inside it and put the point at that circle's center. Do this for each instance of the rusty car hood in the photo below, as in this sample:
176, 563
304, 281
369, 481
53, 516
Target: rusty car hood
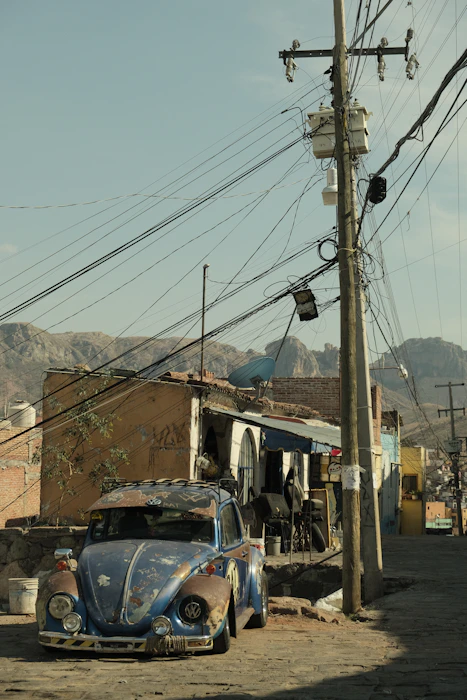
128, 582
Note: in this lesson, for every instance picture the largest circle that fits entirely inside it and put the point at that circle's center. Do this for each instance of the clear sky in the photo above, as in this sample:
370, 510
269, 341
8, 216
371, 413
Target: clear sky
100, 99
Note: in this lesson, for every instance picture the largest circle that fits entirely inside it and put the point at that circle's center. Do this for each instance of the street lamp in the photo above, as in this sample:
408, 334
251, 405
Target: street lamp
306, 304
403, 374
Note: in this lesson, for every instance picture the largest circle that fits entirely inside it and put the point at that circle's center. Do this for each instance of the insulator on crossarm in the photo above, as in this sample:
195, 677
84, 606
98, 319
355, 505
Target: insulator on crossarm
381, 68
290, 69
411, 67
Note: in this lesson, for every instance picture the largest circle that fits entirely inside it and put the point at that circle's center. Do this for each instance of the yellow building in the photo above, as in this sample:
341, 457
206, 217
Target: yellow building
413, 469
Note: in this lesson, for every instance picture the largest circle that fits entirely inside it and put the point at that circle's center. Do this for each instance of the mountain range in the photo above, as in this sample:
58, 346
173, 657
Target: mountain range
26, 351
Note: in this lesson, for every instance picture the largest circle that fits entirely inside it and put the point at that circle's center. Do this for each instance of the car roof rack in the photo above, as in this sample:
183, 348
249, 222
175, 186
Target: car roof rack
197, 483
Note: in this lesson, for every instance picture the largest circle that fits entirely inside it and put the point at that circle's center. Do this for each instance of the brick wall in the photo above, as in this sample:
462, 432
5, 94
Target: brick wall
322, 394
19, 478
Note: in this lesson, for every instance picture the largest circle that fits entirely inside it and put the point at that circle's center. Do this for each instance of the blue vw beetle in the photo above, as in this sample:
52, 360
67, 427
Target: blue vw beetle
166, 567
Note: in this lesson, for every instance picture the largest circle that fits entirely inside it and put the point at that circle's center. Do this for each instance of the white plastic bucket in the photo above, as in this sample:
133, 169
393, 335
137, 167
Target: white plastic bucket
258, 542
23, 595
273, 546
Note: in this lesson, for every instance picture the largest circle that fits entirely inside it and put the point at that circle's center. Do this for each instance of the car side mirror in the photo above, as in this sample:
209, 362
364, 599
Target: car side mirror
65, 553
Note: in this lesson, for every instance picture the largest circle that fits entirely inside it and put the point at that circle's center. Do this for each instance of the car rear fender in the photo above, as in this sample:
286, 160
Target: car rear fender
257, 565
217, 593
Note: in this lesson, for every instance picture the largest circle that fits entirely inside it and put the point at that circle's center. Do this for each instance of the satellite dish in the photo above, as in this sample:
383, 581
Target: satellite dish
253, 374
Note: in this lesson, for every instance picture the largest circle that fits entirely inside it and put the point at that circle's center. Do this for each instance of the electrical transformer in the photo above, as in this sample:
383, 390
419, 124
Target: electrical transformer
323, 135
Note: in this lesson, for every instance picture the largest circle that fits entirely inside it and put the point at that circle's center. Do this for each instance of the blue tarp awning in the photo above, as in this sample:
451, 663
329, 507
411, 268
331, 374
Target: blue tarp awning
319, 438
277, 440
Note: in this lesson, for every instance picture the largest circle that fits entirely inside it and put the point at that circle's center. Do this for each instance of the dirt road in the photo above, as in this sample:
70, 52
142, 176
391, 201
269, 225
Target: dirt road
413, 646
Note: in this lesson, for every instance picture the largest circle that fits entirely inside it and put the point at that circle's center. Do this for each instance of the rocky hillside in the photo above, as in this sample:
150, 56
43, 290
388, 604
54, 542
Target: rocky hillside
26, 351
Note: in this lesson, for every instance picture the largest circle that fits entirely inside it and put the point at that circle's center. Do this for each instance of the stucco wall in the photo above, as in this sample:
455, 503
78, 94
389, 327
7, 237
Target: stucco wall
414, 464
412, 518
154, 424
390, 490
238, 430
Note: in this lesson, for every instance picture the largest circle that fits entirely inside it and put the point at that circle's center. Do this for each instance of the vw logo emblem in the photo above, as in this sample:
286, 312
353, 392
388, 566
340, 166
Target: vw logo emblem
193, 611
154, 502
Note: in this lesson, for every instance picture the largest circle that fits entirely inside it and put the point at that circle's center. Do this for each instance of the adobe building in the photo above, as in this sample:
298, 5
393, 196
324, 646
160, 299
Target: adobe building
162, 423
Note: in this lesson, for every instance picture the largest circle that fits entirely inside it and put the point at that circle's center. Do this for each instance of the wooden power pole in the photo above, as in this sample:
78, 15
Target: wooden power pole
354, 358
351, 576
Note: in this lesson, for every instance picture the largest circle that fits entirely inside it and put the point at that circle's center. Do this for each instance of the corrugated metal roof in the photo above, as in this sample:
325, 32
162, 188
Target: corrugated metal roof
326, 435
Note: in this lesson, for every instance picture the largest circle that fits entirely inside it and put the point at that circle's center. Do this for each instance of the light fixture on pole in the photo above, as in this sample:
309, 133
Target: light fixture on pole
403, 374
306, 304
330, 191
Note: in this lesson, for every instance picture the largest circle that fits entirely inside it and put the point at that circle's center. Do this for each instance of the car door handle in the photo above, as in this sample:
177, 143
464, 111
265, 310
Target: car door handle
244, 553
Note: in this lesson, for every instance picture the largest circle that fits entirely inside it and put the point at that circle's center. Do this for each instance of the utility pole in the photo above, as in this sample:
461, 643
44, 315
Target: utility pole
201, 394
203, 314
351, 576
453, 447
354, 357
370, 521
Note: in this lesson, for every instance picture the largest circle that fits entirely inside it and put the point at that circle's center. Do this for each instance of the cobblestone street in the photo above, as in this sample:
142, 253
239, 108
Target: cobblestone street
411, 646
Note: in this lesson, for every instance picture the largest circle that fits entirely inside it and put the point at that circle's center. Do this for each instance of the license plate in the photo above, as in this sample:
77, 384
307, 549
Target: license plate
114, 646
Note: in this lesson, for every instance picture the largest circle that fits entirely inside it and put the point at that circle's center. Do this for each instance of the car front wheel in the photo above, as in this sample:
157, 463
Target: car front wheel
221, 643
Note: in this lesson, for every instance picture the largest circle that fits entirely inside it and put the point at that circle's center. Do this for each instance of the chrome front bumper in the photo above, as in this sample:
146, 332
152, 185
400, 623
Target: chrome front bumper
170, 644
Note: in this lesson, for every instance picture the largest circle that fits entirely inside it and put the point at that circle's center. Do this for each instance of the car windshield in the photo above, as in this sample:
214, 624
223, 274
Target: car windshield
151, 523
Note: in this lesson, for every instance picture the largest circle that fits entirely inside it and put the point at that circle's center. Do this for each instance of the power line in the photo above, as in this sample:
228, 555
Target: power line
420, 160
185, 208
235, 321
166, 174
140, 237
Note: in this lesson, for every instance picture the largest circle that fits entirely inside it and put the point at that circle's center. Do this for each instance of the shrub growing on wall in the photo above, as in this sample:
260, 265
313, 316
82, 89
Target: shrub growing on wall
65, 458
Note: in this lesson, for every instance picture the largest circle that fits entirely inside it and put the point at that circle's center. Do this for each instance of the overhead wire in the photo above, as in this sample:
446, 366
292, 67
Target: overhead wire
151, 206
270, 268
125, 246
170, 172
183, 209
420, 160
111, 399
146, 342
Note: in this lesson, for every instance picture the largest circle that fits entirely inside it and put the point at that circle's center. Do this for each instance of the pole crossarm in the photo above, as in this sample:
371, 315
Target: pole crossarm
448, 410
446, 386
320, 53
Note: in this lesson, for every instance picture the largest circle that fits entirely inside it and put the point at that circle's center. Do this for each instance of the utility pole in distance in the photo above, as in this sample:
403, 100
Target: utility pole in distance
454, 447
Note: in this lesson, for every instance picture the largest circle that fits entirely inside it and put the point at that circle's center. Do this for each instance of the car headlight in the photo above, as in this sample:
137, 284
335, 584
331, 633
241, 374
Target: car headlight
192, 610
161, 626
60, 605
72, 623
